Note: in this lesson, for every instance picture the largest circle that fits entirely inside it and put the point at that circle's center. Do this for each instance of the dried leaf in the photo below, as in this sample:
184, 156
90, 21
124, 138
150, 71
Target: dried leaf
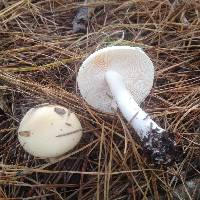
25, 133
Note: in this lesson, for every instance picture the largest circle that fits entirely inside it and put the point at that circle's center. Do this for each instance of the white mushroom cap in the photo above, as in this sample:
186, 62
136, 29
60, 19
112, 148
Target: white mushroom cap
48, 131
132, 63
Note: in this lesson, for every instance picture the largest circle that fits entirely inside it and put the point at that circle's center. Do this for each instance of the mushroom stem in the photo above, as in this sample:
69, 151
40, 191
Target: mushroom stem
155, 140
138, 119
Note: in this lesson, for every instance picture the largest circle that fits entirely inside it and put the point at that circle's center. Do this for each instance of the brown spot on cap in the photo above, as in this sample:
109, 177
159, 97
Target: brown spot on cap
25, 133
68, 124
60, 111
100, 62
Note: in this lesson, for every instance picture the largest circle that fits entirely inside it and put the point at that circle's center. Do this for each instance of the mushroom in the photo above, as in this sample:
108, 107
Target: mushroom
49, 131
121, 77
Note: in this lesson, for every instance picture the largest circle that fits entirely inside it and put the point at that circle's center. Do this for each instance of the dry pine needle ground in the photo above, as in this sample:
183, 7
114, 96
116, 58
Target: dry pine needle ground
39, 60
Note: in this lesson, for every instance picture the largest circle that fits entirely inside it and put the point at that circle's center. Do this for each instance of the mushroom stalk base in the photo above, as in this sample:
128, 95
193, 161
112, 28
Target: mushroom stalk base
156, 142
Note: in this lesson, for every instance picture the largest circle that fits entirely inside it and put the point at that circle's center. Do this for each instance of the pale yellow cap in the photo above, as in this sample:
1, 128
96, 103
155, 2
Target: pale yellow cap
49, 131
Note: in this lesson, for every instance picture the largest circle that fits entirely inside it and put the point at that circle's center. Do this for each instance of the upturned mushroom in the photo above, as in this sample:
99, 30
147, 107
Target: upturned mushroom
49, 131
121, 77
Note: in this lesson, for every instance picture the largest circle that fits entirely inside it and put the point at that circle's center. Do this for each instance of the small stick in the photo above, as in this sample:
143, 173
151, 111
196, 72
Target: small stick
134, 116
82, 17
146, 117
65, 134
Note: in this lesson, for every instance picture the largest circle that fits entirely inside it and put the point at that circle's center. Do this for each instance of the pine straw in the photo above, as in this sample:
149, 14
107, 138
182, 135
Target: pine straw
39, 60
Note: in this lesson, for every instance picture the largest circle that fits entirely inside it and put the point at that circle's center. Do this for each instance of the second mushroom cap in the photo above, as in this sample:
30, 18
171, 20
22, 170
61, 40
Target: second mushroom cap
48, 131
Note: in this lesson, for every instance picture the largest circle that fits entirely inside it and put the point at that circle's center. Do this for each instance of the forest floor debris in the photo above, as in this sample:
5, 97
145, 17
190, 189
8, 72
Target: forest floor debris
39, 58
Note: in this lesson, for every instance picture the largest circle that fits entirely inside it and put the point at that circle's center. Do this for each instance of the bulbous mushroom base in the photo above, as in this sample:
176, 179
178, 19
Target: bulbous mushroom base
161, 148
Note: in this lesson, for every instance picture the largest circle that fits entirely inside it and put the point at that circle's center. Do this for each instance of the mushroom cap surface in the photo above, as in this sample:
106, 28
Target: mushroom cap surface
48, 131
132, 63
